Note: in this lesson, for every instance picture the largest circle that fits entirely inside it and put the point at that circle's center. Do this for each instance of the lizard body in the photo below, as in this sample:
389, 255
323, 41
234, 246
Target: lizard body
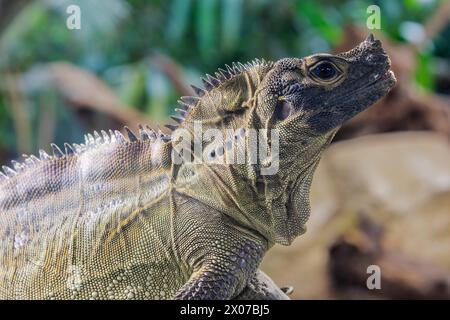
119, 218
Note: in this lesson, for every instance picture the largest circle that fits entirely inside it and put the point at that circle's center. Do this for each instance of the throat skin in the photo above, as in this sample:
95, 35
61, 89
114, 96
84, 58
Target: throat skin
274, 207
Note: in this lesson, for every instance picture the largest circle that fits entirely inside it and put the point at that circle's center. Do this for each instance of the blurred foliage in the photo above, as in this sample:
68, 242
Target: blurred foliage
119, 37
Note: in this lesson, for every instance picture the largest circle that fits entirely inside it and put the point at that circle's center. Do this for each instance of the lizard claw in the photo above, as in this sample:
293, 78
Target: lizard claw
287, 290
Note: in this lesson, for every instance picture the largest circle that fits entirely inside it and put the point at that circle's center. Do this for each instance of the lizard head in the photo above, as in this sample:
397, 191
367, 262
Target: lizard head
304, 101
321, 91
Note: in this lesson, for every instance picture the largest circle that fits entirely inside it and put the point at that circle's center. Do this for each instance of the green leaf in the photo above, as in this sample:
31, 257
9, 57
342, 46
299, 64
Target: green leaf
423, 75
412, 4
320, 19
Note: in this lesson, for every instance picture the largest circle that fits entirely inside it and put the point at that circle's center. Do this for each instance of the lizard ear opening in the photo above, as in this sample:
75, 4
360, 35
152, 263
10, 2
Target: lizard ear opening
283, 110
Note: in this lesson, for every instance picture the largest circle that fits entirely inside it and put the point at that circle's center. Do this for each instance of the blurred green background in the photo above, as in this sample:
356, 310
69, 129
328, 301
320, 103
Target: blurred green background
148, 51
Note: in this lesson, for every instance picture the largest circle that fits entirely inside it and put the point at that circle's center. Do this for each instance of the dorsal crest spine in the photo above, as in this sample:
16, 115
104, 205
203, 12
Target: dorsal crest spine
187, 103
71, 150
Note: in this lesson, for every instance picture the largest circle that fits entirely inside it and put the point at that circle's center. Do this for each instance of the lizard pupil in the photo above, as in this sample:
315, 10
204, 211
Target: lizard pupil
325, 71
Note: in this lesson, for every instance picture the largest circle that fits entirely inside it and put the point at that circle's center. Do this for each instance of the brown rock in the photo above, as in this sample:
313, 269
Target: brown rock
399, 180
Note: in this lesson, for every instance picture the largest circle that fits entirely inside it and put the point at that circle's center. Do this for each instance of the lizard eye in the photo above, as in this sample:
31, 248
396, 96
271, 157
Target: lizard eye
325, 71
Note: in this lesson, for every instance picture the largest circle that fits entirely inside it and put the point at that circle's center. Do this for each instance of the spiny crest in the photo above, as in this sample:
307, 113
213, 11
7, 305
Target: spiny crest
145, 133
210, 82
90, 141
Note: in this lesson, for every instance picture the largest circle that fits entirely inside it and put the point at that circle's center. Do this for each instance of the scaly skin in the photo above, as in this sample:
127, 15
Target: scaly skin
118, 218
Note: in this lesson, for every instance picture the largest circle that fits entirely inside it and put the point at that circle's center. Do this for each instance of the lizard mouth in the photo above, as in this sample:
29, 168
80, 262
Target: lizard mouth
384, 80
386, 76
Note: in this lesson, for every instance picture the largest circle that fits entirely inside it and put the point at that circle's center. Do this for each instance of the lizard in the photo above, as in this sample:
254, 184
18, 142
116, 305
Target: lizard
116, 217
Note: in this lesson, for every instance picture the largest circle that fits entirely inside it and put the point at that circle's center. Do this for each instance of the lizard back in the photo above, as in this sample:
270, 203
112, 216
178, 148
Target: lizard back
64, 213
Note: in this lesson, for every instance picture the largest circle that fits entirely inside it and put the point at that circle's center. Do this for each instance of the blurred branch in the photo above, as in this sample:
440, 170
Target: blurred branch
173, 72
47, 120
18, 113
9, 9
435, 23
84, 90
